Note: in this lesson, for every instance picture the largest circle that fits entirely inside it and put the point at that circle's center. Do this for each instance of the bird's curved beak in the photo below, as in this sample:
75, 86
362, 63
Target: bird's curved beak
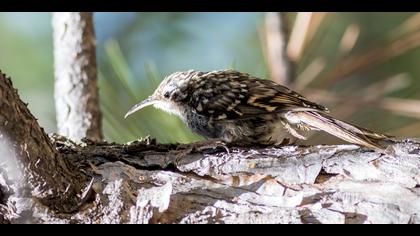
147, 102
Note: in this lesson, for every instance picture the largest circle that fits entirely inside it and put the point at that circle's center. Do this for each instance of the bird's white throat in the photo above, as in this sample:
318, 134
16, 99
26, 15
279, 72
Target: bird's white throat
168, 107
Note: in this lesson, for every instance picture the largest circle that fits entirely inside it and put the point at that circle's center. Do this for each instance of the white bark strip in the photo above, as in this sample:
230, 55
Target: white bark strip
76, 93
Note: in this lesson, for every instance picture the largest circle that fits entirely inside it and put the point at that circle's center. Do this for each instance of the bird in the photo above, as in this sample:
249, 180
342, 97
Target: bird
236, 107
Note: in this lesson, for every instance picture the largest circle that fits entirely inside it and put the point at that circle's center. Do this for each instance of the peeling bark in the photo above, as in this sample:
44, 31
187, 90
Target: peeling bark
146, 182
76, 92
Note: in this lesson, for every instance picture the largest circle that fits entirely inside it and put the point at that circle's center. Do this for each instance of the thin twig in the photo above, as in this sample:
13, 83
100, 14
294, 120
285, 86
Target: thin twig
349, 39
399, 106
298, 35
310, 73
372, 58
410, 25
276, 35
315, 22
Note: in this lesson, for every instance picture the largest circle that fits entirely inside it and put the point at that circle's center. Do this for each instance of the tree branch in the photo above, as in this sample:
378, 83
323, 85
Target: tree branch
76, 93
29, 157
145, 182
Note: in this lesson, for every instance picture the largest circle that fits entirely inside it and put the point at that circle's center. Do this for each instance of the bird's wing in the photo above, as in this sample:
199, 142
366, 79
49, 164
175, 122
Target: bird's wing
233, 95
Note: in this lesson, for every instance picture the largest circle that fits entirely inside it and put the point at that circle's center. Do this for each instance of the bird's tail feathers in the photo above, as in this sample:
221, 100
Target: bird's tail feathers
343, 130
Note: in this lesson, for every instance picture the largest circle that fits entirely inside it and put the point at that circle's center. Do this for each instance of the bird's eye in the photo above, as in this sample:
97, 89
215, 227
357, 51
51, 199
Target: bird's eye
166, 95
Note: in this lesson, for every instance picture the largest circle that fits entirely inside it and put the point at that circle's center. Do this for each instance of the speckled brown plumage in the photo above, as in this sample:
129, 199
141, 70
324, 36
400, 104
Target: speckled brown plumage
237, 107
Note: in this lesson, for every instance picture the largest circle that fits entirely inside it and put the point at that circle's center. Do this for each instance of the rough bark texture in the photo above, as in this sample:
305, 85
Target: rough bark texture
145, 182
28, 159
76, 93
276, 35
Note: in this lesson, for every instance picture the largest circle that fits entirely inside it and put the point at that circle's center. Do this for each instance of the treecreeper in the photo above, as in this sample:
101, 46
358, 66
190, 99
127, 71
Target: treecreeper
236, 107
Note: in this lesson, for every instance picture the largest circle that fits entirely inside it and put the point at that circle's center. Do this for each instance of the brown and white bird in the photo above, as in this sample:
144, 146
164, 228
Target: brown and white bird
236, 107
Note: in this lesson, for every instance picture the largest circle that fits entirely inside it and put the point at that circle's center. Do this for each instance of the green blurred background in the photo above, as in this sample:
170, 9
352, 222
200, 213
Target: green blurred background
364, 66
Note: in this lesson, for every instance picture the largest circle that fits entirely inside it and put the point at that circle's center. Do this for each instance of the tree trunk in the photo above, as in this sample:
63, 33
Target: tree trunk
76, 92
276, 37
29, 161
145, 182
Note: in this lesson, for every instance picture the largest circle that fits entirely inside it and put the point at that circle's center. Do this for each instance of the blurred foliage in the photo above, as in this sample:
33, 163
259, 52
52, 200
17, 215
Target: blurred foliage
121, 84
369, 67
363, 66
26, 56
164, 43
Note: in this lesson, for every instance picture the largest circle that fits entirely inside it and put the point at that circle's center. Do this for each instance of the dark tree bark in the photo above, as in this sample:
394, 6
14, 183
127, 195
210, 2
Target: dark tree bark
276, 37
145, 182
30, 158
76, 92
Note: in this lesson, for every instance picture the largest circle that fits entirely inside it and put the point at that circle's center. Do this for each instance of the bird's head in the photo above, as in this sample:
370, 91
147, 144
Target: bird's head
169, 94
